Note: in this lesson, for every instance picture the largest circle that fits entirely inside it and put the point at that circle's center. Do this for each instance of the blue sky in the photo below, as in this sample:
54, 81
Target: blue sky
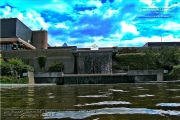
106, 23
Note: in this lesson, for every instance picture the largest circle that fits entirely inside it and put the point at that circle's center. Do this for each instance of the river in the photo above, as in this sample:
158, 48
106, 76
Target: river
91, 102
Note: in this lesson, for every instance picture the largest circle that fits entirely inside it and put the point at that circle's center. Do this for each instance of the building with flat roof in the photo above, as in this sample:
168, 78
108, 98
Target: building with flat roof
161, 44
16, 35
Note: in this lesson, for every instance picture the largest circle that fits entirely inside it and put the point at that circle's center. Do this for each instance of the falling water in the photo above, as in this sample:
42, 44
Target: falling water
95, 62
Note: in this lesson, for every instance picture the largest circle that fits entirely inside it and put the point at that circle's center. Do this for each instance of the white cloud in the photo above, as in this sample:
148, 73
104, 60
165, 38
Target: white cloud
62, 25
116, 35
20, 16
97, 38
30, 17
109, 13
129, 28
140, 41
94, 3
148, 2
4, 12
170, 26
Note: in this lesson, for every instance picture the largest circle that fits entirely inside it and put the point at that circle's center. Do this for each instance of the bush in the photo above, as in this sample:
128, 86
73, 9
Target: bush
176, 71
14, 67
6, 79
56, 67
135, 61
174, 74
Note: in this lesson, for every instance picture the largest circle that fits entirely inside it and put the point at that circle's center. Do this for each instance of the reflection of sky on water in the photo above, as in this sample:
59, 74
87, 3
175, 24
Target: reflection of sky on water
145, 95
105, 103
169, 104
84, 114
173, 90
116, 90
94, 96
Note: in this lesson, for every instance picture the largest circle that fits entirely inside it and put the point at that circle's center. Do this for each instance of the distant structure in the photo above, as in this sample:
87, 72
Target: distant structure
64, 45
161, 44
16, 35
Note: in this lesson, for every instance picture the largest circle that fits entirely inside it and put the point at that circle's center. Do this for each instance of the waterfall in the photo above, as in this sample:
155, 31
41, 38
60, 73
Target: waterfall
95, 62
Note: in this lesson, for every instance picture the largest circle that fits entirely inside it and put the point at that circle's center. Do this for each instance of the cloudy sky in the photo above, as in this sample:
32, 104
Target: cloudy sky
106, 23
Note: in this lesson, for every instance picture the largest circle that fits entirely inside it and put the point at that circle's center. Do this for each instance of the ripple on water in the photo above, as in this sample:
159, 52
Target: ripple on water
143, 89
145, 95
93, 96
116, 90
174, 90
105, 103
169, 104
84, 114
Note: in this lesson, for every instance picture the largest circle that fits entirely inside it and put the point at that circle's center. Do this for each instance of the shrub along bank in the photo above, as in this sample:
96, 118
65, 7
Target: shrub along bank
12, 71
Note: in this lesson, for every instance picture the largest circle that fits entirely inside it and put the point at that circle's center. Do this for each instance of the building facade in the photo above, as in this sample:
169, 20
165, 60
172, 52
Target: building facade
16, 35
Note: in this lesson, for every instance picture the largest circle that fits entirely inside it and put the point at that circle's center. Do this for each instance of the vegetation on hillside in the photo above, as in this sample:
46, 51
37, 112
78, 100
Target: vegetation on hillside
167, 58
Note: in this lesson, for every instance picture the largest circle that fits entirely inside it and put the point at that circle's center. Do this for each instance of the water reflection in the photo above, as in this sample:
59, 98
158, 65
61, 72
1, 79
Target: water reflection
160, 101
84, 114
105, 103
169, 104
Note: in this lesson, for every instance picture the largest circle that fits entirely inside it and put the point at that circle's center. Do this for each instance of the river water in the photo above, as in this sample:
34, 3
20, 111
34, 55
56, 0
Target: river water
91, 102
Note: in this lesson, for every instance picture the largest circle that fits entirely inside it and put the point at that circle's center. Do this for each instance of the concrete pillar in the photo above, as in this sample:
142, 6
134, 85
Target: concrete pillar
31, 77
160, 75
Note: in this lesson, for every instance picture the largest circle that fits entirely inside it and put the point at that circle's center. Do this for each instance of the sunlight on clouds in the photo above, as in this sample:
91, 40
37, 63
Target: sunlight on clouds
170, 26
129, 28
20, 16
109, 13
4, 12
61, 25
116, 35
148, 2
140, 41
83, 23
96, 39
94, 3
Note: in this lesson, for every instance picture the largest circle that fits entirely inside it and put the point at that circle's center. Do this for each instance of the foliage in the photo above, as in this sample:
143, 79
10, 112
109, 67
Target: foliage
15, 61
135, 61
56, 67
14, 67
168, 57
6, 79
149, 57
42, 61
174, 74
176, 71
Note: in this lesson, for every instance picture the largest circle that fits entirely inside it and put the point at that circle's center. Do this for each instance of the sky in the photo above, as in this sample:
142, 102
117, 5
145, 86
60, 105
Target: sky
106, 23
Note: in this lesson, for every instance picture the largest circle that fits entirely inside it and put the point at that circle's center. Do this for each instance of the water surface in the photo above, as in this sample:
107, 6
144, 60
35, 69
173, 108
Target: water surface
97, 102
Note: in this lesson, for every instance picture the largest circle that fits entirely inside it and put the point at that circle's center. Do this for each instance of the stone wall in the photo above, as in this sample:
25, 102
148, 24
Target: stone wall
146, 75
30, 57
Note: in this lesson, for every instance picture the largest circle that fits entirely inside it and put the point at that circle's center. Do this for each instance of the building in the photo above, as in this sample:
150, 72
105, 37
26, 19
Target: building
17, 40
16, 35
161, 44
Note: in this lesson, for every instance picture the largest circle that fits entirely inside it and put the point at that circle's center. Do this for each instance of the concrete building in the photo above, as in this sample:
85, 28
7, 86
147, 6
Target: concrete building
161, 44
16, 35
17, 40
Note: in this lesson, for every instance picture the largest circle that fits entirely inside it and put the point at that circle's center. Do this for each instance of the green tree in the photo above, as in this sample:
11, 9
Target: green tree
167, 58
42, 62
150, 57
